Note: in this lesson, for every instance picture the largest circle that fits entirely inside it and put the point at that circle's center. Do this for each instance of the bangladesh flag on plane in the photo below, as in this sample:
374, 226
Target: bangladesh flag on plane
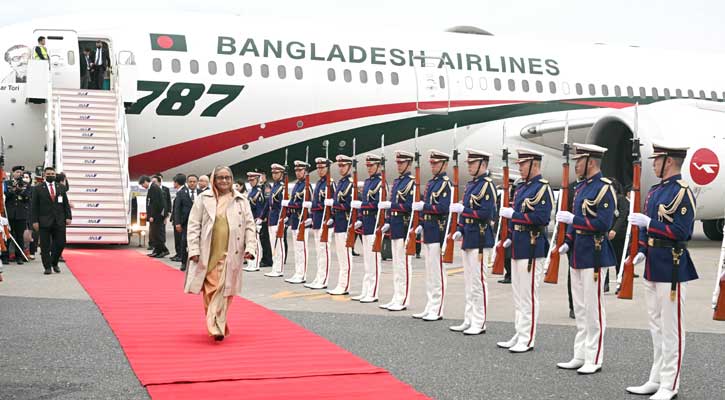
162, 41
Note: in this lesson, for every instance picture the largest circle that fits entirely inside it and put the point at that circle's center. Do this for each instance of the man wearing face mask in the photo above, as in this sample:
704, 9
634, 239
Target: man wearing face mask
17, 201
100, 62
50, 213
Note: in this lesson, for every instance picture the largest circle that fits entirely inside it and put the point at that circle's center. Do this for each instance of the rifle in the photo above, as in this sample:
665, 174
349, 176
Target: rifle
283, 211
410, 241
380, 219
350, 238
631, 239
452, 223
500, 253
307, 196
552, 261
327, 212
718, 296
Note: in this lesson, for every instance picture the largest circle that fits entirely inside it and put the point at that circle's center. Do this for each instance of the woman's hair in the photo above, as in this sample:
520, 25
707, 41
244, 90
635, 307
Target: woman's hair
215, 172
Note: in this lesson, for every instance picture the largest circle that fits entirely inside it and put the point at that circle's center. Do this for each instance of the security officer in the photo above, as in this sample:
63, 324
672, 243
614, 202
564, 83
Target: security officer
257, 204
476, 211
527, 234
296, 203
340, 203
435, 213
17, 205
318, 210
594, 206
666, 227
368, 206
397, 222
272, 214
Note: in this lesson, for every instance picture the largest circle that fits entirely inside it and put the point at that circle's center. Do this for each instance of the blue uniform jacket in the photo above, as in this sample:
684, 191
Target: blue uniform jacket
274, 203
318, 202
435, 212
257, 201
401, 205
532, 208
370, 198
671, 206
341, 205
594, 206
479, 202
294, 209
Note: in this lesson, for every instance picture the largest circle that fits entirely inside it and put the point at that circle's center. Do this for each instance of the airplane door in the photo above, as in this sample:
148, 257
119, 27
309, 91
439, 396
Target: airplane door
127, 76
62, 48
432, 86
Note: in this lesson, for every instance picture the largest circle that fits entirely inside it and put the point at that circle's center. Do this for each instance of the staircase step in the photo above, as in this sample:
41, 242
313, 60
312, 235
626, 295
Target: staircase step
98, 190
110, 235
90, 162
87, 120
98, 213
90, 177
84, 133
106, 155
97, 112
82, 168
92, 140
83, 93
99, 221
84, 182
91, 148
94, 206
91, 198
83, 102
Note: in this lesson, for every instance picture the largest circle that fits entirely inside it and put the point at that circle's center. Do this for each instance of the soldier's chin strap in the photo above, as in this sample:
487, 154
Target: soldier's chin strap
440, 171
586, 168
528, 174
662, 169
478, 170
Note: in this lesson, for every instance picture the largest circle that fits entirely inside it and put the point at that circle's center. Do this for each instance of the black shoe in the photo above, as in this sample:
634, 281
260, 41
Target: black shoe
606, 287
636, 276
61, 260
150, 248
162, 254
183, 267
20, 261
354, 253
505, 280
571, 314
6, 262
154, 254
47, 271
175, 258
56, 269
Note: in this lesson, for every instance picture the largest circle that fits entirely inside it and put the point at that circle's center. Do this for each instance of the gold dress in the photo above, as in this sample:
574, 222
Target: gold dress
215, 304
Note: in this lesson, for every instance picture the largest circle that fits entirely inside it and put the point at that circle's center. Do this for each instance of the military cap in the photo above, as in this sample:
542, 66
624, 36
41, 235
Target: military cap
277, 167
401, 155
371, 159
477, 155
18, 168
527, 155
588, 150
301, 164
437, 155
660, 149
322, 161
341, 158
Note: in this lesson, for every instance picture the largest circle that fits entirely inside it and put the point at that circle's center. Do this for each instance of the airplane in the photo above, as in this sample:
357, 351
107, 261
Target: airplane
193, 91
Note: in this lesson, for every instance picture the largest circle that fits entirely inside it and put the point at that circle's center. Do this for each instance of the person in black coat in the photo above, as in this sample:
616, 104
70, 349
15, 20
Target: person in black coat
158, 179
182, 209
50, 213
85, 68
619, 228
100, 62
155, 215
17, 204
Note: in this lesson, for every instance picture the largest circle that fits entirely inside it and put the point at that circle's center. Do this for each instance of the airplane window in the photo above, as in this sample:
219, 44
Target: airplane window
247, 68
175, 65
655, 93
230, 68
469, 82
678, 93
298, 72
497, 84
194, 66
265, 70
483, 84
539, 87
379, 78
592, 89
565, 88
579, 89
363, 76
281, 71
690, 94
347, 75
713, 95
394, 78
605, 90
331, 75
441, 82
642, 92
667, 93
552, 87
702, 95
212, 68
525, 85
156, 64
617, 90
512, 85
630, 91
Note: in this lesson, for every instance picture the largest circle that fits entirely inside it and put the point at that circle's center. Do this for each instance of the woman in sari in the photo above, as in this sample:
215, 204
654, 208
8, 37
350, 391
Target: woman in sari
221, 234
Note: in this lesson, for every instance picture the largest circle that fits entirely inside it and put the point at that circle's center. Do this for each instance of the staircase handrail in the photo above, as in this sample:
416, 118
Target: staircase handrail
49, 119
123, 144
58, 134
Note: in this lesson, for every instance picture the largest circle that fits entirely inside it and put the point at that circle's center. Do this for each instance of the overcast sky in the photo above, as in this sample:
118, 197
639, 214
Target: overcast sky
675, 24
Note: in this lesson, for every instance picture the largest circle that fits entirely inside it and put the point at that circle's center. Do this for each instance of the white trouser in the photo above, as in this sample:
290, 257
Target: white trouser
591, 319
402, 273
343, 262
277, 250
476, 287
525, 285
372, 261
254, 264
667, 326
323, 256
435, 278
300, 248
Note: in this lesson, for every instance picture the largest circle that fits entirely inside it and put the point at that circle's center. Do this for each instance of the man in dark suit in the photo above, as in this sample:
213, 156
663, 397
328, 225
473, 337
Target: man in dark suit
17, 202
182, 209
50, 213
158, 179
192, 182
266, 260
85, 68
100, 61
155, 215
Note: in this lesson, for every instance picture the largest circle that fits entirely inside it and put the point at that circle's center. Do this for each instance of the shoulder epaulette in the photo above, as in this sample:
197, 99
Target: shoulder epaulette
606, 180
487, 179
349, 178
445, 178
544, 181
682, 183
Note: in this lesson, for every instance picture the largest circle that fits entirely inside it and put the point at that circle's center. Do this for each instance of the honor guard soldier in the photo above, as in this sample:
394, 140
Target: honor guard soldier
258, 203
435, 213
397, 222
667, 225
594, 208
318, 212
294, 205
368, 206
272, 214
340, 203
528, 221
476, 211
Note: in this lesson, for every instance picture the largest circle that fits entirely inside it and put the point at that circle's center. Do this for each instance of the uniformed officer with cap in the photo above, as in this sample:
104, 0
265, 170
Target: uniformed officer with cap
318, 210
397, 221
476, 211
296, 203
340, 216
666, 228
594, 206
528, 220
434, 207
272, 214
258, 203
17, 210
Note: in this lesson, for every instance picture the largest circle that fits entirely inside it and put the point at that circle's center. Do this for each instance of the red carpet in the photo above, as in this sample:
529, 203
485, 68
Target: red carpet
163, 333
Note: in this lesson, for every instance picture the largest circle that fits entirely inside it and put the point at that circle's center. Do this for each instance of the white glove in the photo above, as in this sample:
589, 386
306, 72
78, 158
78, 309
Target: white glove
286, 219
285, 203
507, 212
418, 205
639, 258
419, 229
456, 208
307, 204
457, 236
384, 205
308, 222
329, 202
356, 204
330, 222
358, 224
258, 221
4, 221
506, 243
564, 248
385, 228
640, 220
565, 217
